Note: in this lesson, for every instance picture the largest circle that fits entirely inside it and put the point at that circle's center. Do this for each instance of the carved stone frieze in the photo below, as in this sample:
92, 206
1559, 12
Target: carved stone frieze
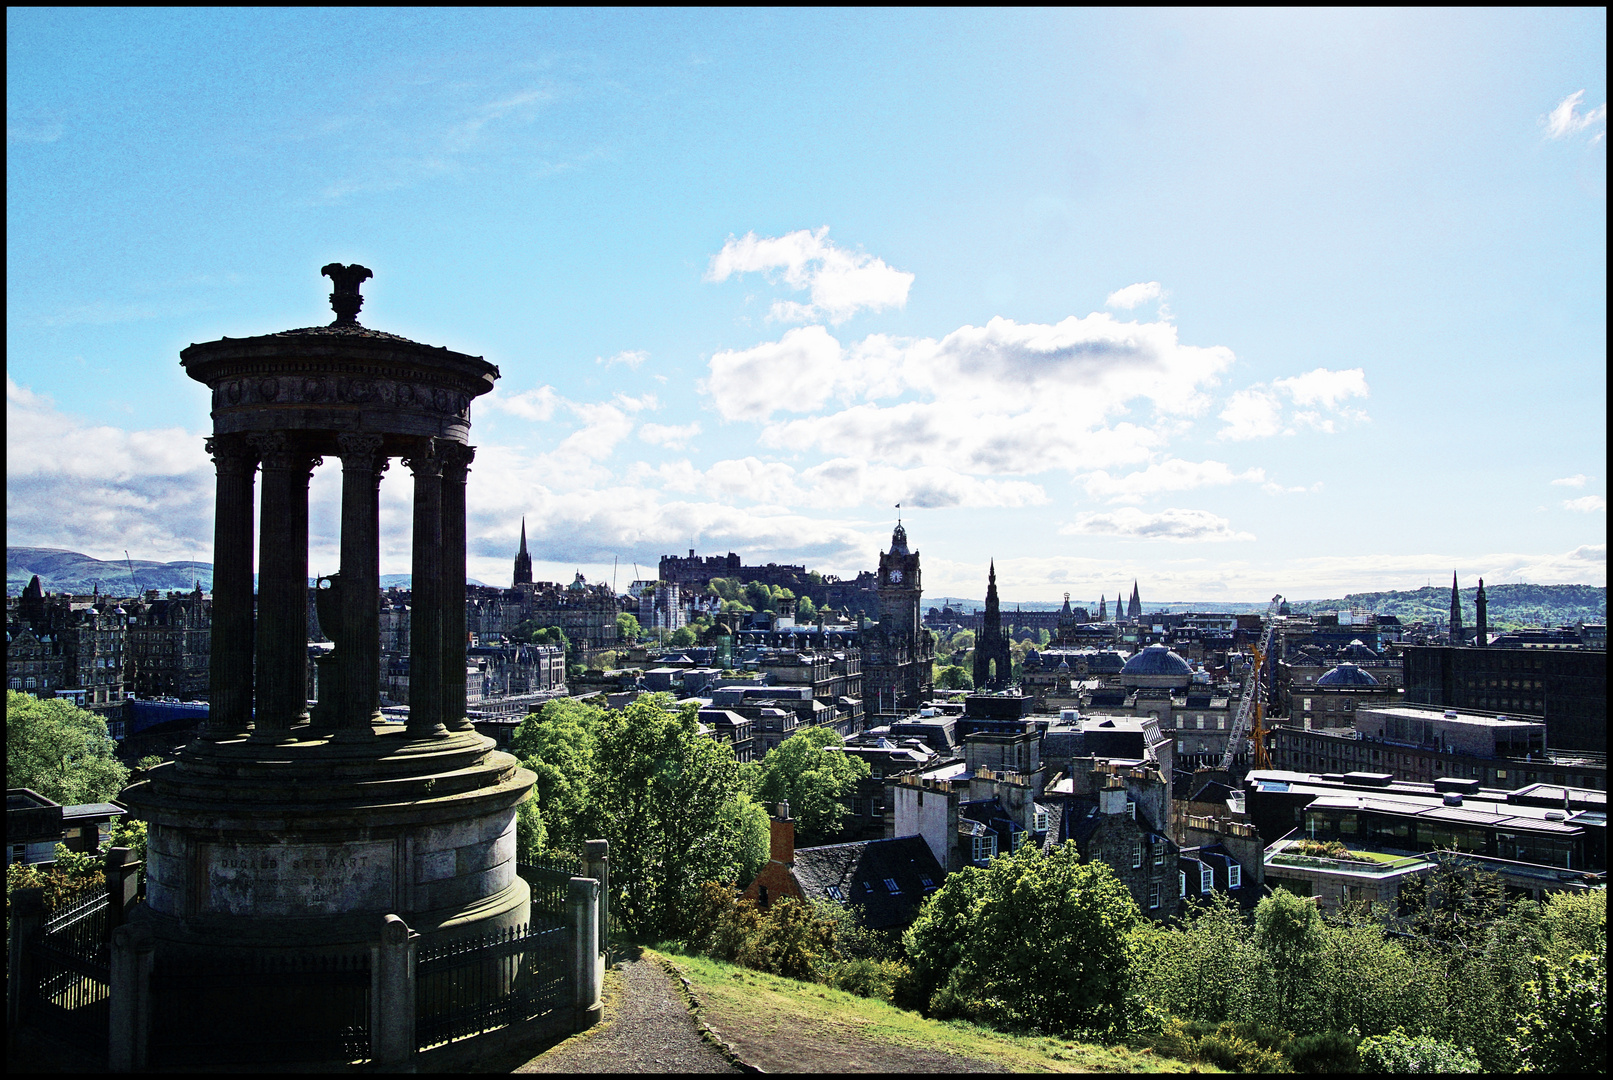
353, 390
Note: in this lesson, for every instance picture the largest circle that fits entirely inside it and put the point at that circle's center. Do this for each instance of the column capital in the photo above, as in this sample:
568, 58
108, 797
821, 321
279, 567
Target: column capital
456, 457
362, 451
427, 457
231, 453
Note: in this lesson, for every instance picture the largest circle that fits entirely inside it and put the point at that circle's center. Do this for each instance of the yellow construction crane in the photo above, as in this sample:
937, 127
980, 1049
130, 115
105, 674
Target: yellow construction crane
1252, 708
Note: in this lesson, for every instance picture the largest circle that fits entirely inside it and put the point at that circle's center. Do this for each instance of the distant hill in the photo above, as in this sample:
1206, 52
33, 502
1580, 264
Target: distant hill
69, 572
62, 571
1507, 605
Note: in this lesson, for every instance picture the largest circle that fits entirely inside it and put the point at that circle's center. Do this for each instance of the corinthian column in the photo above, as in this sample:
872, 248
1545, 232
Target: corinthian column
426, 615
359, 647
456, 467
282, 633
229, 676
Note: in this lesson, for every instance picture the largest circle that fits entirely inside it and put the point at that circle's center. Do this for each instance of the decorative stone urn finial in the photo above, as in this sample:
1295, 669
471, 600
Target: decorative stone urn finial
346, 301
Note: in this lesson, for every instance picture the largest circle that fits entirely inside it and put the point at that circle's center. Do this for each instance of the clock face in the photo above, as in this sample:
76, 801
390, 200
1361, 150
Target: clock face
896, 577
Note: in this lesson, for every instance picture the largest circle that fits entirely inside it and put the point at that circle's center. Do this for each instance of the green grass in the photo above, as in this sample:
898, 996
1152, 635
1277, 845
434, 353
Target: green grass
778, 1004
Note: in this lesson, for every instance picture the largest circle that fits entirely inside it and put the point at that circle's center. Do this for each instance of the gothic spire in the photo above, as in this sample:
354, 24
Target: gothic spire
1135, 611
523, 561
1483, 617
1456, 612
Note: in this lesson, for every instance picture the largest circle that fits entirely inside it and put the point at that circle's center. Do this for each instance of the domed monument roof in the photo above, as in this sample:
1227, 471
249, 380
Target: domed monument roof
1358, 651
1347, 675
1156, 666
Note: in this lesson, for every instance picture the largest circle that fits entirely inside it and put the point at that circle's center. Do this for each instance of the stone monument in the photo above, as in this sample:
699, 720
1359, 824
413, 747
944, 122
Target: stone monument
275, 831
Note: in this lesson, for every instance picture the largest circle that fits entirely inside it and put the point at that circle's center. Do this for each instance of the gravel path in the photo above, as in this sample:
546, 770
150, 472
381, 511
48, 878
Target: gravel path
645, 1029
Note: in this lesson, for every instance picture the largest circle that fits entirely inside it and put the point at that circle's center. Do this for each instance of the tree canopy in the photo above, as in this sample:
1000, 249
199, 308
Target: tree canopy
1037, 941
60, 751
668, 799
813, 778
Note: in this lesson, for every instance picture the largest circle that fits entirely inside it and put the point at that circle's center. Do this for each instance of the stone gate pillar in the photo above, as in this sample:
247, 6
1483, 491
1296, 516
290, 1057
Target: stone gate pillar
229, 674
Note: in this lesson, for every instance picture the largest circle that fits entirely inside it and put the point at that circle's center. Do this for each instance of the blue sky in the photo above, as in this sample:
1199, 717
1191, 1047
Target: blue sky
1231, 303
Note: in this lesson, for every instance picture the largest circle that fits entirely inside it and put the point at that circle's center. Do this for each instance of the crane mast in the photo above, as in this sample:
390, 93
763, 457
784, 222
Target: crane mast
1250, 709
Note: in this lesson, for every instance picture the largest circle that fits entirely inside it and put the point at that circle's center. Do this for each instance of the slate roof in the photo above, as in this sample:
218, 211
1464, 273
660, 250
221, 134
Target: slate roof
858, 872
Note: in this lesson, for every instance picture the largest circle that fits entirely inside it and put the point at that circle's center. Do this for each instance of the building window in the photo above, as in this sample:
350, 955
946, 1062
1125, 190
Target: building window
1131, 809
835, 894
1181, 882
985, 847
1041, 820
1136, 854
1159, 852
1307, 704
1221, 722
927, 883
1234, 876
1153, 896
1206, 878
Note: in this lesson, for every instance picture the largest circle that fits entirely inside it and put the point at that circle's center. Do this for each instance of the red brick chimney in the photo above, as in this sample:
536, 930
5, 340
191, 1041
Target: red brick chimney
781, 836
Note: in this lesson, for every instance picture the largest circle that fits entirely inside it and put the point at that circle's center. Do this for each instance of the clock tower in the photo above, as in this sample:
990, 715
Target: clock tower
899, 652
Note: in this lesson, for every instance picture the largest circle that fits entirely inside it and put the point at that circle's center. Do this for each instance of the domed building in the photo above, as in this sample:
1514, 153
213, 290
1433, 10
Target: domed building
1156, 668
1347, 674
1357, 652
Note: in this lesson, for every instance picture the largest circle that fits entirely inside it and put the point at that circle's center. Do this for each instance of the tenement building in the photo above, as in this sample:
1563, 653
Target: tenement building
68, 646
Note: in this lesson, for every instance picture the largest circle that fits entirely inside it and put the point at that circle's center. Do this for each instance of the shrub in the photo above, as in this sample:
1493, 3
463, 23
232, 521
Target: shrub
1326, 1052
1237, 1054
1398, 1052
1564, 1025
876, 979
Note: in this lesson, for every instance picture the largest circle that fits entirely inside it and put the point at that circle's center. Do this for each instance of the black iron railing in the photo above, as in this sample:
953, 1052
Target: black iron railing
473, 985
260, 1008
72, 972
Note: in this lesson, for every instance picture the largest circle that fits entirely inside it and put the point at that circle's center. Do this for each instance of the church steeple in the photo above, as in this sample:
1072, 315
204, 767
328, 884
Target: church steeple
1482, 604
1135, 610
1456, 612
993, 660
523, 561
1103, 609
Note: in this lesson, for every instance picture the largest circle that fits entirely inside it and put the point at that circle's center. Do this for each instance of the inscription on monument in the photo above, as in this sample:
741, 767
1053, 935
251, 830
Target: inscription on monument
297, 879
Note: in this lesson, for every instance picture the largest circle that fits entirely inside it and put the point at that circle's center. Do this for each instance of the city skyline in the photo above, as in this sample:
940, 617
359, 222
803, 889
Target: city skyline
1226, 303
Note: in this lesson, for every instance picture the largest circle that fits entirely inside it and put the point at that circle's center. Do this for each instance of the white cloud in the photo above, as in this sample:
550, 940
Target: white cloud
1324, 387
1577, 480
1257, 412
798, 372
1566, 120
841, 282
671, 436
1132, 295
1251, 414
1173, 524
535, 405
1590, 504
843, 482
1001, 398
70, 484
1172, 474
631, 357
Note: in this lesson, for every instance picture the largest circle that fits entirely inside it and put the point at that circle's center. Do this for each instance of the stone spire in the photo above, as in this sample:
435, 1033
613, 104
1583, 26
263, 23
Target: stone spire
523, 561
1103, 609
1456, 612
1135, 610
1482, 605
991, 644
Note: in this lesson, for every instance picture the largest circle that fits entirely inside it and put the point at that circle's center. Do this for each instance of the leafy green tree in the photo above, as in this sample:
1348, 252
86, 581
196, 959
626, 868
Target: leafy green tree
60, 751
1205, 969
1564, 1025
530, 835
682, 638
660, 792
805, 610
558, 744
1575, 922
725, 589
814, 779
627, 627
954, 677
746, 820
1289, 934
1036, 941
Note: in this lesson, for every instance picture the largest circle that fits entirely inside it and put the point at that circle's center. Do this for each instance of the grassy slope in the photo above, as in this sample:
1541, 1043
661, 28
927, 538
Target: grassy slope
771, 998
